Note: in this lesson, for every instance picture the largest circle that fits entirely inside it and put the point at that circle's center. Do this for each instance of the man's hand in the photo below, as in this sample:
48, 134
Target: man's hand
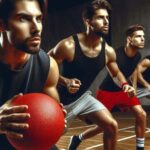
13, 119
65, 113
129, 90
73, 85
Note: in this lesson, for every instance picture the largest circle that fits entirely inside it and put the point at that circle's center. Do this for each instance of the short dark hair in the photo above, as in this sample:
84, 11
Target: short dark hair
133, 28
7, 6
90, 8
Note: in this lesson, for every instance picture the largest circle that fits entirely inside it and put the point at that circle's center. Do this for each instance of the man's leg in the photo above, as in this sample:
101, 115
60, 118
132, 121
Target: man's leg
93, 110
105, 123
140, 125
140, 115
142, 92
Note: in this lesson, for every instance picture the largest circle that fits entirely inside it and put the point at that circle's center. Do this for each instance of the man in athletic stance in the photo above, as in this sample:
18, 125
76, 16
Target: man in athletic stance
24, 67
83, 56
112, 95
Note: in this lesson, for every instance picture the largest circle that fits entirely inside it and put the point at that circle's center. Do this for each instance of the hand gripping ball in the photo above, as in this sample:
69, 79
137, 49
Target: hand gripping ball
46, 123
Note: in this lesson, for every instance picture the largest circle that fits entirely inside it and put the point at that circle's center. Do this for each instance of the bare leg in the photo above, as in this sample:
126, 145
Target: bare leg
104, 121
140, 124
92, 132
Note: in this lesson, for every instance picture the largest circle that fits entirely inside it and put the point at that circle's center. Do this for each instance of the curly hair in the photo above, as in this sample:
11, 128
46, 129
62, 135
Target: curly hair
90, 8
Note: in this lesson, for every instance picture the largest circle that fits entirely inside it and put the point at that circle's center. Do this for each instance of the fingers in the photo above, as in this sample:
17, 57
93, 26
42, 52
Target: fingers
14, 135
65, 113
14, 127
77, 81
15, 109
129, 90
131, 94
73, 89
13, 120
65, 127
15, 117
74, 85
64, 110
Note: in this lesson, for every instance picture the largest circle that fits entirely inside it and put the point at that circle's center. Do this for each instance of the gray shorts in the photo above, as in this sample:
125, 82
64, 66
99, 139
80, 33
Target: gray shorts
142, 92
85, 104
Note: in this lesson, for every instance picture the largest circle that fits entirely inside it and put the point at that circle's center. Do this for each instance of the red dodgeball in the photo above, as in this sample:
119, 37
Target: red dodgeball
46, 123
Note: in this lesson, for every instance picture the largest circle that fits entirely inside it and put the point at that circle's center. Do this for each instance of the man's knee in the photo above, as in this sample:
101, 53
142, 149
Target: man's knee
114, 125
142, 115
111, 127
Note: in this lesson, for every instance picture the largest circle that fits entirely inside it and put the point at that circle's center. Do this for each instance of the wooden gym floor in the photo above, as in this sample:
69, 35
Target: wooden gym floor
126, 134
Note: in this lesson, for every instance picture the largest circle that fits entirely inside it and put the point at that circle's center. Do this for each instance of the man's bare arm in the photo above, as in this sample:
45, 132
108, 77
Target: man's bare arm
115, 72
52, 80
142, 66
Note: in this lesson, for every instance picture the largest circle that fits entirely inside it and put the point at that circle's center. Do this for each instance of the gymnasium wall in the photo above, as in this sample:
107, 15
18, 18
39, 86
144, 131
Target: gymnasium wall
64, 19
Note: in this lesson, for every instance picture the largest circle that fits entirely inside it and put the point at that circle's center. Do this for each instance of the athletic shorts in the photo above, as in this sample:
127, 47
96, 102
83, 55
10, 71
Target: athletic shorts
142, 92
119, 98
86, 104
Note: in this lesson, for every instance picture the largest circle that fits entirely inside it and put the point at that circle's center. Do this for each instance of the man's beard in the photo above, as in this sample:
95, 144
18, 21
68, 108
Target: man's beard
25, 47
101, 34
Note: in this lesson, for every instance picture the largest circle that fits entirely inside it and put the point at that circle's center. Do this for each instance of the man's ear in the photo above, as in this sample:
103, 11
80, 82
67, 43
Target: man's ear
128, 39
89, 23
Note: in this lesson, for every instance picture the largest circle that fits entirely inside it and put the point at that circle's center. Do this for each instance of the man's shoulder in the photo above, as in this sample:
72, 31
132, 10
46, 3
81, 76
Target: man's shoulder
109, 49
67, 43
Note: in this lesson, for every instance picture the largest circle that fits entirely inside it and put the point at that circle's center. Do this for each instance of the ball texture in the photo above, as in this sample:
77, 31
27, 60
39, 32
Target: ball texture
46, 123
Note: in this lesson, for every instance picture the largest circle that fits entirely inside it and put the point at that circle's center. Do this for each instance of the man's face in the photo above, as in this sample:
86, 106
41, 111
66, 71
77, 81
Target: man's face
138, 39
100, 22
25, 26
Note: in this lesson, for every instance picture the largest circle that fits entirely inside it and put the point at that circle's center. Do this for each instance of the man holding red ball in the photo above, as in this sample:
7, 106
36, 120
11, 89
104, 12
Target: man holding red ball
24, 67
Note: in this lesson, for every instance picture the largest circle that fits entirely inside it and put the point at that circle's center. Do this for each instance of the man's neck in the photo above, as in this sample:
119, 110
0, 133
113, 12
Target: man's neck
90, 44
14, 59
130, 51
92, 40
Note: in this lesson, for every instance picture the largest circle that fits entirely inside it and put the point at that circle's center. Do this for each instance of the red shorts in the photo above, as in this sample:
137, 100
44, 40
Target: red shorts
120, 98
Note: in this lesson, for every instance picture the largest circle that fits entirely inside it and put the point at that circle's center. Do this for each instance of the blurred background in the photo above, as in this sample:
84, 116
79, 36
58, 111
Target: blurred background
64, 19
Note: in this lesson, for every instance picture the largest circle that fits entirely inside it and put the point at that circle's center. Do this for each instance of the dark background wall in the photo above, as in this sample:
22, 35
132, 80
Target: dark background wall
64, 19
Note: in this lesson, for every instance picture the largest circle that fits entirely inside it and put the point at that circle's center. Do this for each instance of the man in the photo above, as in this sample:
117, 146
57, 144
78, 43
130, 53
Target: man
112, 95
83, 56
142, 82
24, 67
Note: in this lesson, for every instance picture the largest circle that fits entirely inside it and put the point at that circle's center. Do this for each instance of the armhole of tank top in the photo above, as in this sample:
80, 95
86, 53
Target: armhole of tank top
103, 44
103, 49
77, 46
46, 63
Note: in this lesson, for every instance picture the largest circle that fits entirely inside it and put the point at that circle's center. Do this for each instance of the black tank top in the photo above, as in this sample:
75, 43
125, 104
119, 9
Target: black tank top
83, 68
146, 73
30, 79
127, 66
